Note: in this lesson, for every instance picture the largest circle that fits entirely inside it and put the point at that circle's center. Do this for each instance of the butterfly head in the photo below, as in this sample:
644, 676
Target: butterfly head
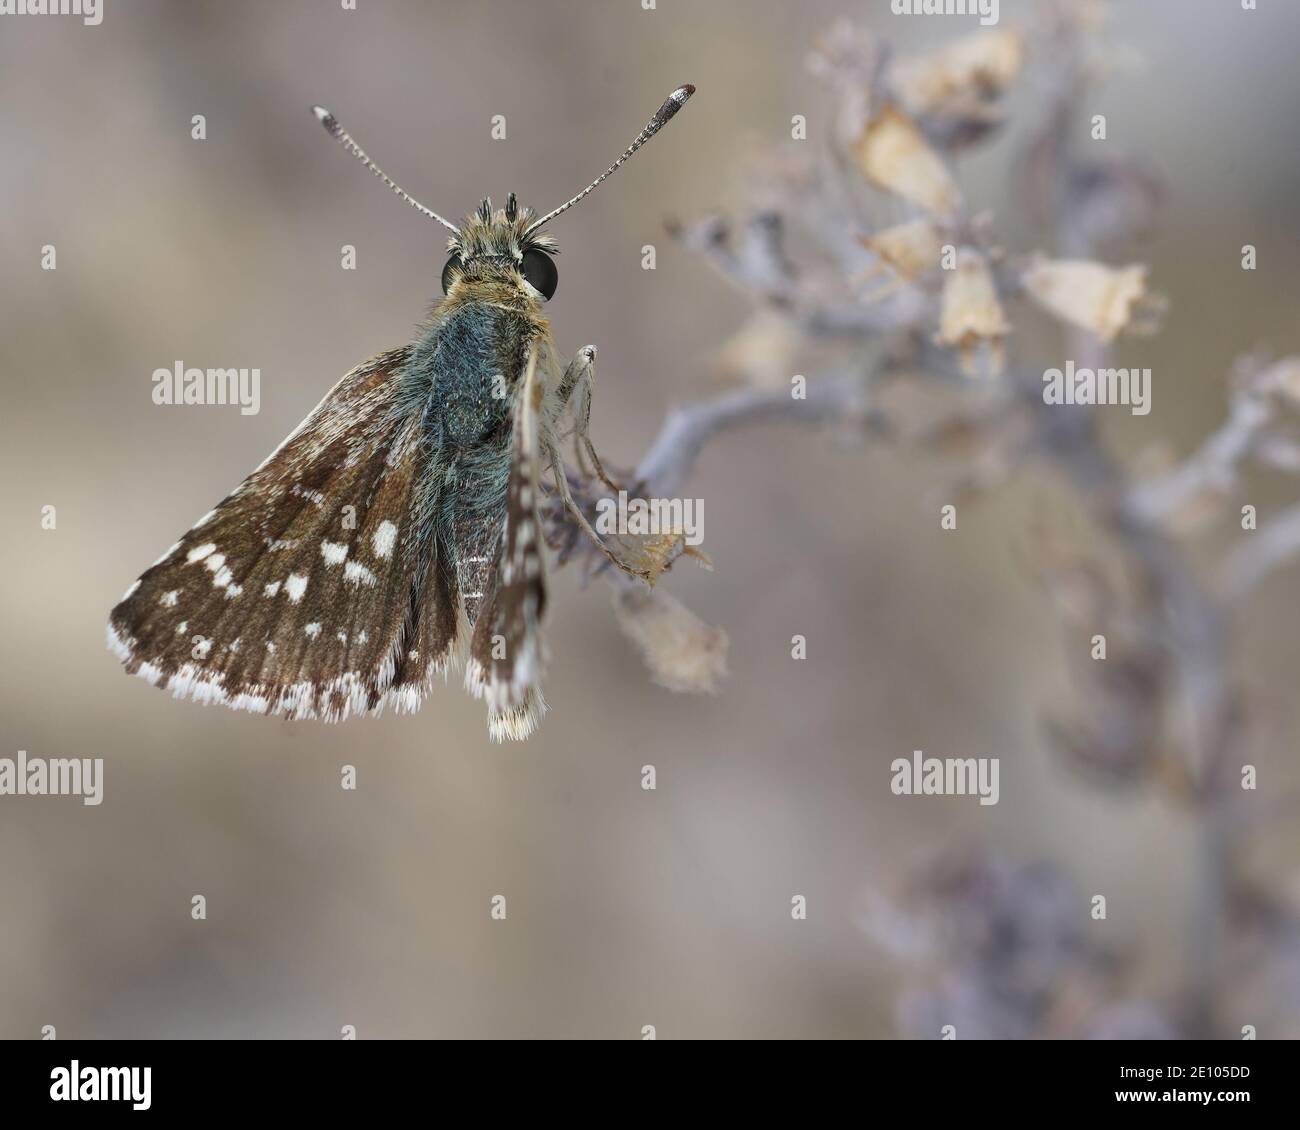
498, 247
504, 247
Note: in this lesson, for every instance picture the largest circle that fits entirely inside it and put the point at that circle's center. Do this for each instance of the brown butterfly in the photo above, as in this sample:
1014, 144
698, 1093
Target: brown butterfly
398, 526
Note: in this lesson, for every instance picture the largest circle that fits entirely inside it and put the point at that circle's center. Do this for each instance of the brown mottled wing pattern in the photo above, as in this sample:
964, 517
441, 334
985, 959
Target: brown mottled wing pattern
507, 652
311, 590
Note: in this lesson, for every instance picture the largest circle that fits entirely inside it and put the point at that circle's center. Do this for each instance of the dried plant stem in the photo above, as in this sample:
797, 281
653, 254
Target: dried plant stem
833, 398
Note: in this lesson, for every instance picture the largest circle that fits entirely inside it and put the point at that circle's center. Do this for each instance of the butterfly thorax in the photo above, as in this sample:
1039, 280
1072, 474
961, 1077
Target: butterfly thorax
469, 358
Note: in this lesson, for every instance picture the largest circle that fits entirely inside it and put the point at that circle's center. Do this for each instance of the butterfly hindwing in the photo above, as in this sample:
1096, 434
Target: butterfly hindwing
507, 651
315, 588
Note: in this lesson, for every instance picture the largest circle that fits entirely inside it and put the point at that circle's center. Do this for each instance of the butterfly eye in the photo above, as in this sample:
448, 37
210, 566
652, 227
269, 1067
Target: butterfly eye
539, 269
448, 272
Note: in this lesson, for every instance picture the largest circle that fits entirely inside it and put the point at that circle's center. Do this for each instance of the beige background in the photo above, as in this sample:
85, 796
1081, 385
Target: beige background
625, 907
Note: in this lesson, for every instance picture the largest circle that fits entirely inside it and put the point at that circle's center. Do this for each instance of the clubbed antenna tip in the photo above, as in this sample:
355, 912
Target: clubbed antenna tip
336, 131
674, 102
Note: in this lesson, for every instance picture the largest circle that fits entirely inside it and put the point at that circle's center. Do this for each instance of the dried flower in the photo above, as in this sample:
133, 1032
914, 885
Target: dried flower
1093, 296
762, 352
909, 250
971, 313
650, 555
957, 77
995, 949
894, 155
1285, 378
683, 653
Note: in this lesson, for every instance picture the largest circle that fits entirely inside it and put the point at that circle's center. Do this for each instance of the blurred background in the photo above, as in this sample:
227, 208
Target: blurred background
626, 908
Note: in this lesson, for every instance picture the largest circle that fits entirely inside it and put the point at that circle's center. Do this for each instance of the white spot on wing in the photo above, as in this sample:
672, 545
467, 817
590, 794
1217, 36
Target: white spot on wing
199, 552
295, 586
312, 630
385, 538
272, 588
358, 574
333, 552
170, 599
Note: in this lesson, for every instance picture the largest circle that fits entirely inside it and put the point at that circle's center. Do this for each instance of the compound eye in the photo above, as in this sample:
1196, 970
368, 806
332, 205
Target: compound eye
448, 272
539, 269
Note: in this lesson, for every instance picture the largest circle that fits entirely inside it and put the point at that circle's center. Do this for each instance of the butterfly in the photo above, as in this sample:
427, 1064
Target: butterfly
398, 530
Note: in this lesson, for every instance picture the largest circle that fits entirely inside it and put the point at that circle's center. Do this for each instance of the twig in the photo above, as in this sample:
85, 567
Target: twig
1277, 544
672, 456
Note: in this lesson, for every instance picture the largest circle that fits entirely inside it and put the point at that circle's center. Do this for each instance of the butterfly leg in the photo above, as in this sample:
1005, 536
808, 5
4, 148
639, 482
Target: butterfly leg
576, 388
562, 485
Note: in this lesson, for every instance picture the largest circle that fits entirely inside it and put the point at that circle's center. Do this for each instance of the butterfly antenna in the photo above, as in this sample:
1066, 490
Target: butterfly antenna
674, 102
330, 122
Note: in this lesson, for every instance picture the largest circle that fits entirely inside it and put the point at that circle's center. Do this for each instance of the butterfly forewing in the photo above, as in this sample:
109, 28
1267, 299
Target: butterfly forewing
314, 589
